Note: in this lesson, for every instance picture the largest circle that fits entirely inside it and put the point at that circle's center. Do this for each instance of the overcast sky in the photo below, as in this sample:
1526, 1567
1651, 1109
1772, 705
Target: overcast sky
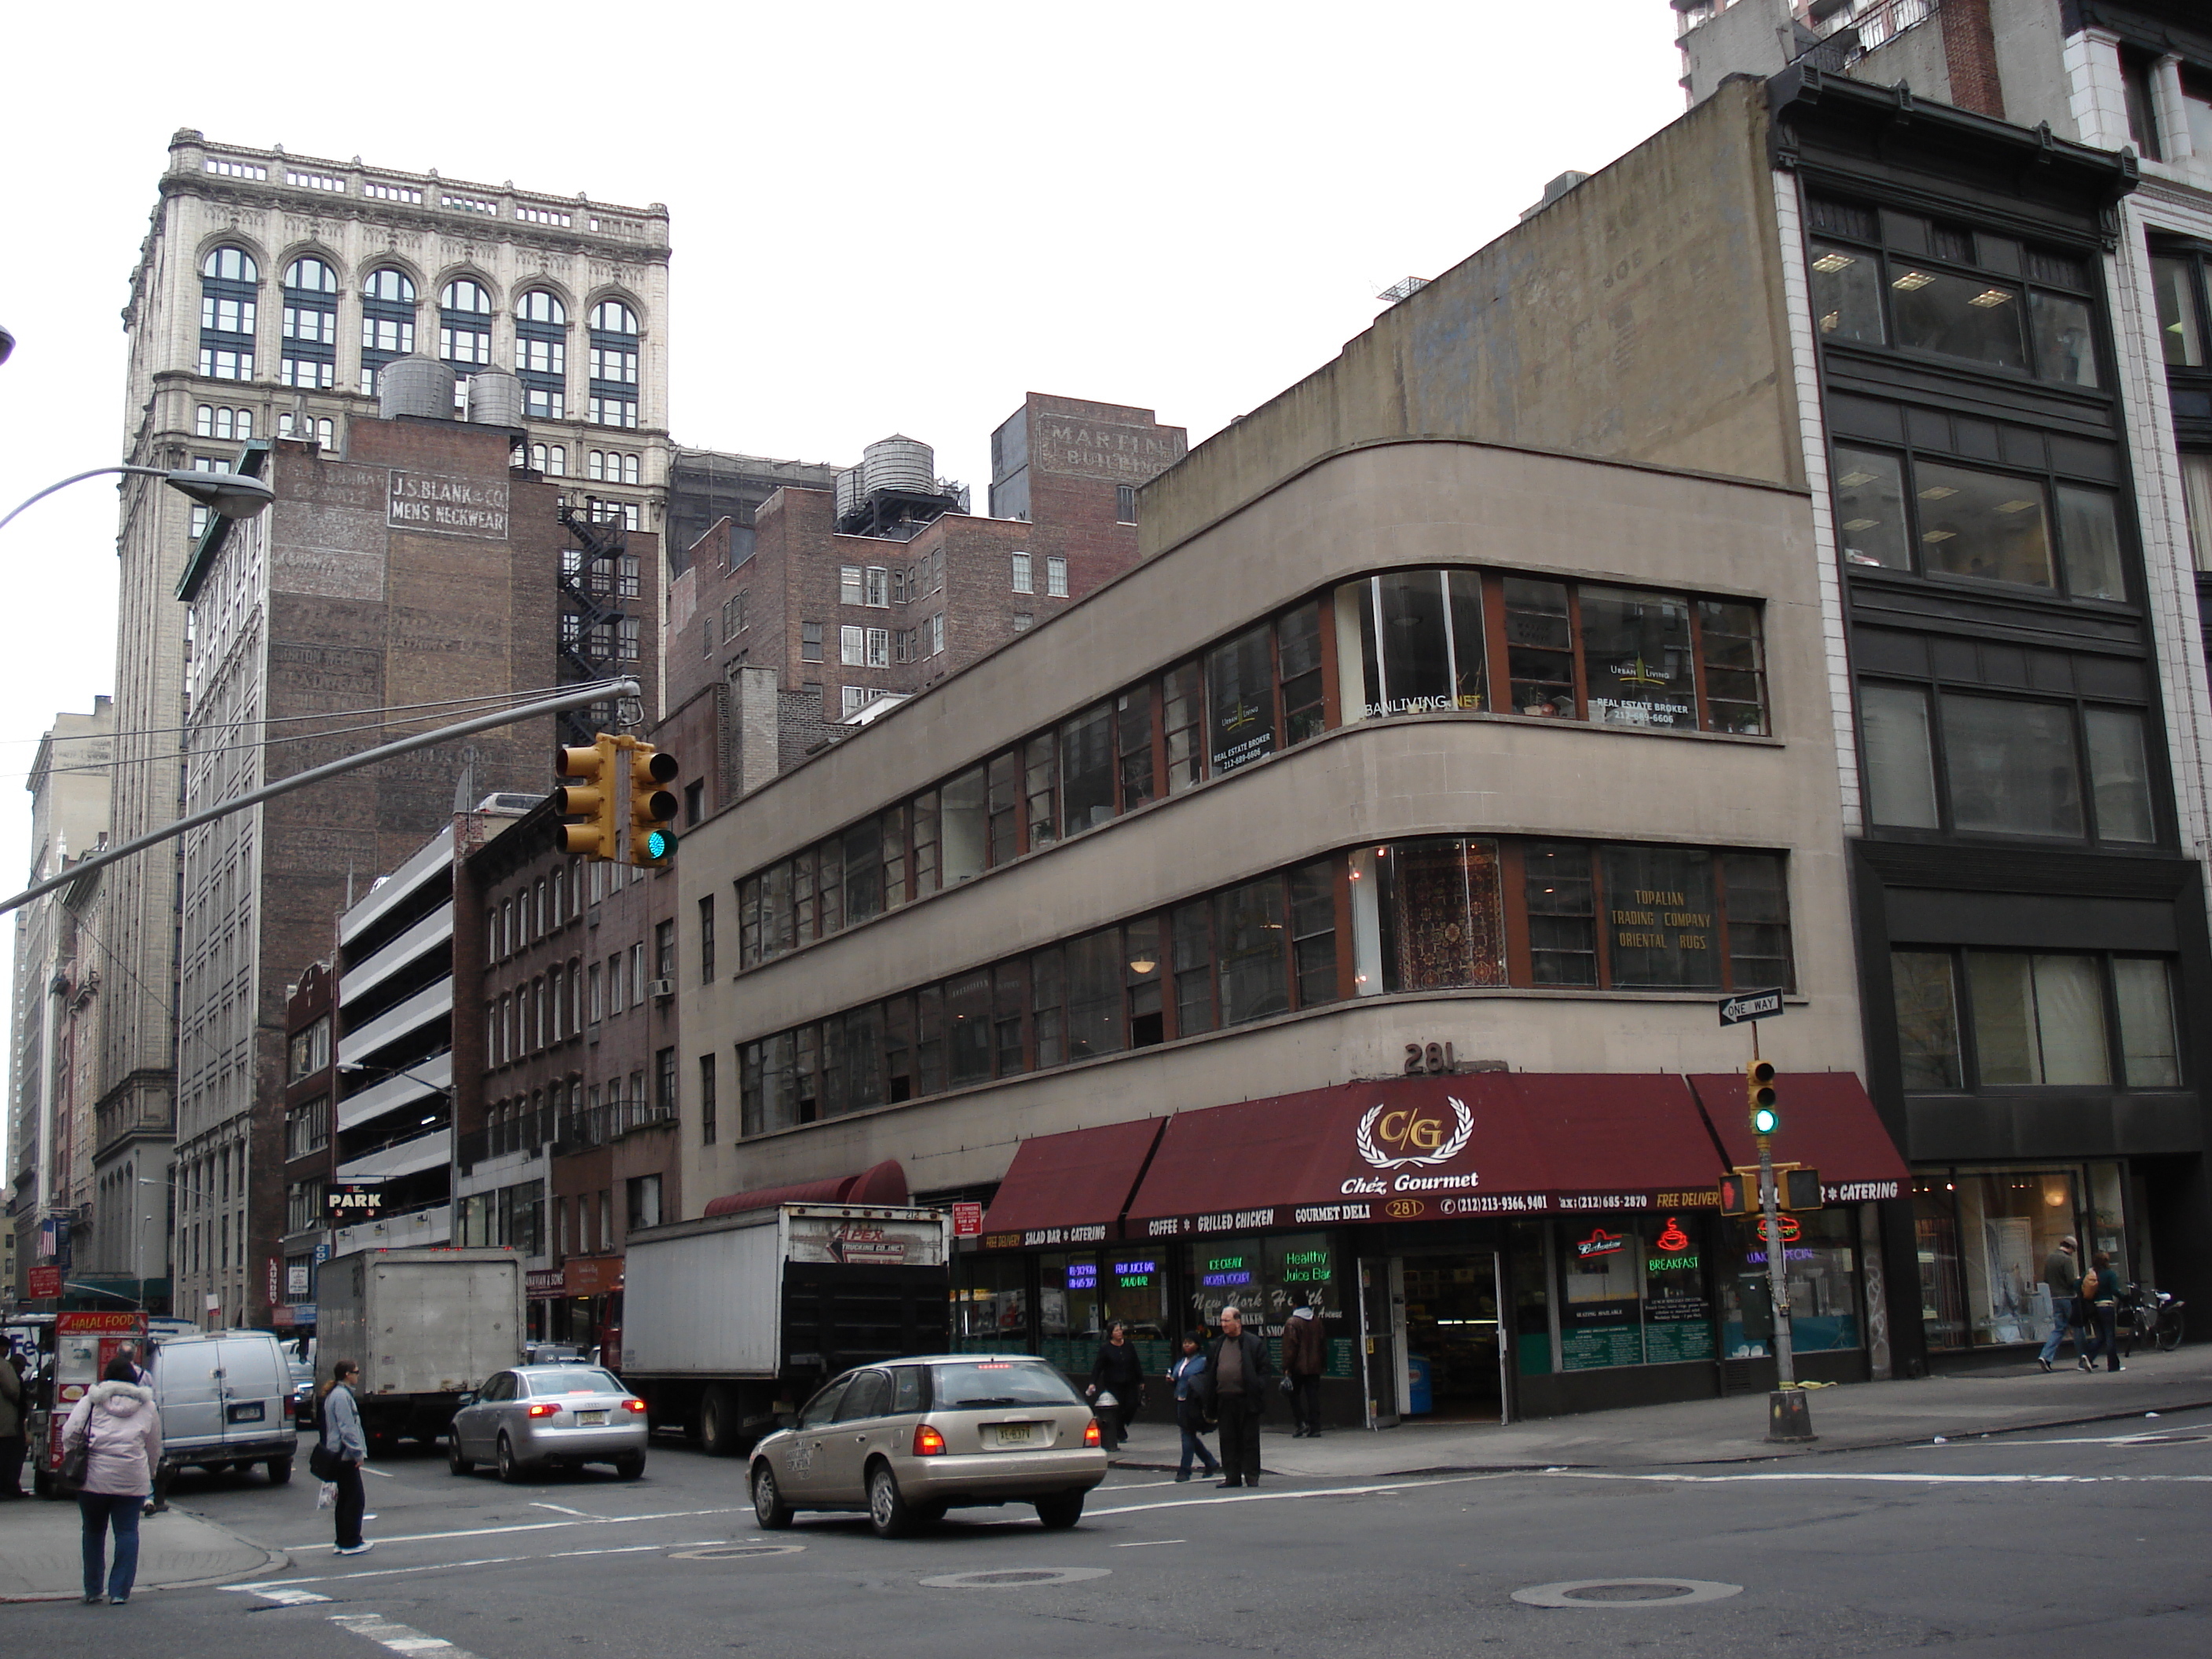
892, 217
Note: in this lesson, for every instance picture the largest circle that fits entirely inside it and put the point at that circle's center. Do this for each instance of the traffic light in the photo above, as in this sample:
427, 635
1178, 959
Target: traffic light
1759, 1078
652, 809
1801, 1189
1739, 1193
593, 801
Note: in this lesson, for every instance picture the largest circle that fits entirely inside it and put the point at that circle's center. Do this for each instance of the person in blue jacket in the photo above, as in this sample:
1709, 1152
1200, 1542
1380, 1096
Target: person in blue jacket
1190, 1409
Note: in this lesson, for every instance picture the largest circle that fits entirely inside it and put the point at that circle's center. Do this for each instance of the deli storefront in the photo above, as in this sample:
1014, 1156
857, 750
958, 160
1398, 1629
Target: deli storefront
1481, 1247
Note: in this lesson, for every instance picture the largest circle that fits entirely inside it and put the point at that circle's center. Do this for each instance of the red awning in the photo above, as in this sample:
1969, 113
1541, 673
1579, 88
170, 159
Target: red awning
1070, 1188
1487, 1144
885, 1184
1827, 1124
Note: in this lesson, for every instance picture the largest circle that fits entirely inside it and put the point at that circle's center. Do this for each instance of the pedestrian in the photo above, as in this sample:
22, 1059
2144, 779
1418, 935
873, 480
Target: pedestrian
340, 1437
1117, 1384
1305, 1357
2062, 1272
1237, 1370
121, 1431
1189, 1376
2100, 1293
12, 1444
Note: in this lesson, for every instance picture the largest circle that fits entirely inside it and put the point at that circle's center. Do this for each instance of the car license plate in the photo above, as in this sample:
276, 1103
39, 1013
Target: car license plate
1017, 1434
588, 1418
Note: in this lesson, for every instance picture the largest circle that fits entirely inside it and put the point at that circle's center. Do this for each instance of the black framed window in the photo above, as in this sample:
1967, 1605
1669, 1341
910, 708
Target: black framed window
387, 322
1980, 1019
310, 351
1900, 281
1939, 517
614, 354
230, 286
464, 331
541, 354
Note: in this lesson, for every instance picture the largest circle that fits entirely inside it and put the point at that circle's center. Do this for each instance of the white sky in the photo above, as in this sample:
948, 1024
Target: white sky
885, 217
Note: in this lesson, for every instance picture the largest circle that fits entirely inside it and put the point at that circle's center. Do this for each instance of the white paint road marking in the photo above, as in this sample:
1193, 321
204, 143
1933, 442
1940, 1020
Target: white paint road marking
1293, 1496
537, 1526
2147, 1438
380, 1474
562, 1509
286, 1592
400, 1638
1151, 1543
1896, 1480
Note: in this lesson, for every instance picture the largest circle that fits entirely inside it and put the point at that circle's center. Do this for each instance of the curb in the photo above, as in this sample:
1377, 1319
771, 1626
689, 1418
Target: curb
1701, 1462
271, 1561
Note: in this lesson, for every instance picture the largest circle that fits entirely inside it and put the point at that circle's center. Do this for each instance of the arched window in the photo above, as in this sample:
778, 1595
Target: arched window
213, 421
465, 332
229, 281
387, 322
614, 364
541, 355
551, 460
311, 325
307, 428
631, 468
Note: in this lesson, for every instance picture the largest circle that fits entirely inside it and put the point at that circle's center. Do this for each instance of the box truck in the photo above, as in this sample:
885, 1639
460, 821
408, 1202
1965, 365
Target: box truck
425, 1325
731, 1321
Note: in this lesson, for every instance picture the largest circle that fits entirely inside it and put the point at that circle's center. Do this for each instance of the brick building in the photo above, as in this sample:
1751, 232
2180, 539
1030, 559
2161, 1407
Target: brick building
415, 565
883, 585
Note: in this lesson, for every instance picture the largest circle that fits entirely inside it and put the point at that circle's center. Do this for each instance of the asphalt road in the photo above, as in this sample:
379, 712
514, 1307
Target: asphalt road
2059, 1543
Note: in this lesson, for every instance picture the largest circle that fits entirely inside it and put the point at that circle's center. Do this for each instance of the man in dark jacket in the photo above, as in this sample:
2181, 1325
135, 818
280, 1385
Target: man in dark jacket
2063, 1273
1237, 1372
1305, 1357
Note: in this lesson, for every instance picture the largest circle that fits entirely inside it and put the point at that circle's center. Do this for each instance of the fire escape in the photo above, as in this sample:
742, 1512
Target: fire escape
591, 610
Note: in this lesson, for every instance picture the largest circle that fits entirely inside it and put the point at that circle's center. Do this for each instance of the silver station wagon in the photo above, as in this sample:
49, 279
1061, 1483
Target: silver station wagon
537, 1416
907, 1440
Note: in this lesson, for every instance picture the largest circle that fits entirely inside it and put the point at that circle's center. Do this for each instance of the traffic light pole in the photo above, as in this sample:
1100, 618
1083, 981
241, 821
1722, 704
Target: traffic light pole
600, 691
1787, 1418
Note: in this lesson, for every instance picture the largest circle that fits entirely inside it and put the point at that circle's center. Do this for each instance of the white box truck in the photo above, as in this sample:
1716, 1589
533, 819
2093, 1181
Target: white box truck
425, 1325
731, 1320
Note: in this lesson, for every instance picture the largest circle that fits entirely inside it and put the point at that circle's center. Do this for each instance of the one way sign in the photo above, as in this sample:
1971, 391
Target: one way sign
1750, 1005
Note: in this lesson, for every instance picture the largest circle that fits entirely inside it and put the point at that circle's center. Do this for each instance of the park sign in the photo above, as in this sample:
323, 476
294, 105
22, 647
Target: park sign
1749, 1005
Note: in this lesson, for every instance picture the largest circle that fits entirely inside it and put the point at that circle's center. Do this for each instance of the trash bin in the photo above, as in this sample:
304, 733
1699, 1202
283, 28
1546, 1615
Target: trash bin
1418, 1402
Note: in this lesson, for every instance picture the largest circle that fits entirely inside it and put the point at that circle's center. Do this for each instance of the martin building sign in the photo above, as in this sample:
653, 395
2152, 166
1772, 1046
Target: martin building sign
447, 506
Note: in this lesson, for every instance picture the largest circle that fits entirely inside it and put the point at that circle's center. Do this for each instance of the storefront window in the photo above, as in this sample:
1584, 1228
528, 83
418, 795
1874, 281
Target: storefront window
1600, 1295
1443, 922
1070, 1311
1678, 1317
1820, 1262
1226, 1273
1532, 1318
1983, 1240
1133, 1289
990, 1306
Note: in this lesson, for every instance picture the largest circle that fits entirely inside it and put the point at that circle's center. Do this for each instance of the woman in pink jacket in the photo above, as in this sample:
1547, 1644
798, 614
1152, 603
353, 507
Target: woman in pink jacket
118, 1421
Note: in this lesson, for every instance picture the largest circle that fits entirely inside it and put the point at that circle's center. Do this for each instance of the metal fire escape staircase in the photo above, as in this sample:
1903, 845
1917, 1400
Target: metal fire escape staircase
590, 591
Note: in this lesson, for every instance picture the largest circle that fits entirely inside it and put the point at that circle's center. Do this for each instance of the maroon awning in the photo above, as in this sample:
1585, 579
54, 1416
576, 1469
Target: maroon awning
1486, 1143
1072, 1187
1828, 1123
885, 1184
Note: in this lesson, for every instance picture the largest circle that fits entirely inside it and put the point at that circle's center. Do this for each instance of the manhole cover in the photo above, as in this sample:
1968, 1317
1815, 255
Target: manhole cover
1625, 1593
734, 1551
1015, 1577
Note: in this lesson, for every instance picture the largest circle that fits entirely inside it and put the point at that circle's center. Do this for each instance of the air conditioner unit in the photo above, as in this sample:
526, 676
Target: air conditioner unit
660, 987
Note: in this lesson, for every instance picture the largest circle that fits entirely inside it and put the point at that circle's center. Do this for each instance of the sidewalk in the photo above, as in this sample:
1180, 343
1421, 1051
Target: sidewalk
1854, 1417
39, 1557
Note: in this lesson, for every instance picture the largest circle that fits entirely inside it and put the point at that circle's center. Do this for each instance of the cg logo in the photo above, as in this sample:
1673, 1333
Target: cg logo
1414, 1135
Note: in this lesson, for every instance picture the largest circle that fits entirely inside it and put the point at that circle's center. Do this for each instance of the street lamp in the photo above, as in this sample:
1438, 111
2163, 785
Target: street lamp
227, 495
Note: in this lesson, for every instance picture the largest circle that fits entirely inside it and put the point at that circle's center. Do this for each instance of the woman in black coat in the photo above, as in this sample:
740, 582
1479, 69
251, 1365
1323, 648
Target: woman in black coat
1120, 1372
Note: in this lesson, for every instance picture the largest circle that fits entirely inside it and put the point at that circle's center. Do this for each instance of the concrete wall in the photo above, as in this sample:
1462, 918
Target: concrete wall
1638, 317
1752, 37
1389, 505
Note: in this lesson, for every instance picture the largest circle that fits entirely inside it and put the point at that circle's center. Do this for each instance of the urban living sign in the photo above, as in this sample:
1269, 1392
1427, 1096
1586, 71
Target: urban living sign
447, 506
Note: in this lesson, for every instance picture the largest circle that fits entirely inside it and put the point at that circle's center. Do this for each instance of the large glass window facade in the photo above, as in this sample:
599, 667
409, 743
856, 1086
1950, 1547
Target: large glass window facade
1983, 1235
230, 284
541, 354
311, 325
2002, 1020
614, 348
387, 322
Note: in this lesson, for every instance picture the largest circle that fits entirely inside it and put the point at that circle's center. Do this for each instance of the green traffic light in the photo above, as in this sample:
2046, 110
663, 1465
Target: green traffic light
660, 843
1764, 1120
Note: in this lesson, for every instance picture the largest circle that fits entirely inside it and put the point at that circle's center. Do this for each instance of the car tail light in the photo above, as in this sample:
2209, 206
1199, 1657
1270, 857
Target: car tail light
927, 1442
634, 1405
1091, 1436
544, 1408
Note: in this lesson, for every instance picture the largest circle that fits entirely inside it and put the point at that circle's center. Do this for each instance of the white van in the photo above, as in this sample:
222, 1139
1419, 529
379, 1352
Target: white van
225, 1402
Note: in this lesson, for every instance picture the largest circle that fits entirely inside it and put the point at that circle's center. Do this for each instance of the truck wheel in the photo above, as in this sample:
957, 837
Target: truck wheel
769, 1507
280, 1470
887, 1511
509, 1470
454, 1461
718, 1423
1061, 1512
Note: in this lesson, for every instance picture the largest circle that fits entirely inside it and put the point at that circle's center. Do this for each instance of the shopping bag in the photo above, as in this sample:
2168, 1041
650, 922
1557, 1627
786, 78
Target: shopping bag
328, 1496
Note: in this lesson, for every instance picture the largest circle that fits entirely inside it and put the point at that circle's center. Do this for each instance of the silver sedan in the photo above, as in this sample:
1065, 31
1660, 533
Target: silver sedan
907, 1440
539, 1416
